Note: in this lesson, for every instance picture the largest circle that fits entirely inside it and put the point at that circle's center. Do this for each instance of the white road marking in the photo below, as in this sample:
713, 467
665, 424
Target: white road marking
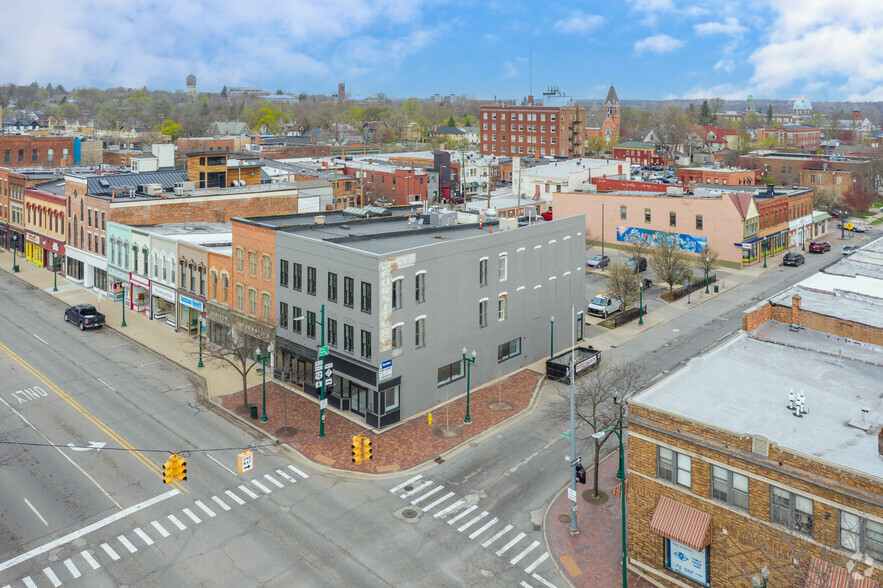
473, 521
204, 508
86, 530
249, 492
110, 551
462, 514
144, 536
29, 583
437, 502
234, 497
543, 581
261, 486
511, 544
220, 503
417, 489
298, 472
274, 481
521, 555
52, 577
538, 561
192, 516
90, 560
427, 495
105, 383
286, 476
159, 528
39, 339
220, 464
403, 484
497, 536
148, 363
448, 509
177, 522
72, 568
127, 544
484, 528
35, 512
525, 584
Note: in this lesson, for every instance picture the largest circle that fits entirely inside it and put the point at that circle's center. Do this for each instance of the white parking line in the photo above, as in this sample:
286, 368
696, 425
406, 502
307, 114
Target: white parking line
286, 476
543, 581
462, 514
127, 544
52, 577
36, 512
484, 528
204, 508
144, 536
298, 472
473, 521
521, 555
525, 584
509, 545
448, 509
261, 486
72, 568
110, 551
538, 561
403, 484
416, 489
497, 536
90, 560
159, 528
177, 522
192, 516
234, 497
437, 502
249, 492
274, 481
427, 495
29, 583
220, 502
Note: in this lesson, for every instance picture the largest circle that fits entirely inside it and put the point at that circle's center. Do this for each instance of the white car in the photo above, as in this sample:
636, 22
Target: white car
603, 305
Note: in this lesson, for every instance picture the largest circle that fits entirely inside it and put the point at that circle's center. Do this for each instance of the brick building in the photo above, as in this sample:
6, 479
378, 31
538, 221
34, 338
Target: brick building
727, 475
839, 181
27, 151
642, 154
604, 123
718, 176
45, 217
804, 137
12, 213
784, 168
531, 129
393, 184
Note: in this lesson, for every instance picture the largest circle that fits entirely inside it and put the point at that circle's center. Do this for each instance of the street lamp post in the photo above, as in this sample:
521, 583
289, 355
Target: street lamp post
803, 239
551, 337
14, 250
468, 363
600, 435
641, 303
321, 323
123, 301
54, 272
263, 359
761, 580
706, 274
764, 246
602, 232
199, 335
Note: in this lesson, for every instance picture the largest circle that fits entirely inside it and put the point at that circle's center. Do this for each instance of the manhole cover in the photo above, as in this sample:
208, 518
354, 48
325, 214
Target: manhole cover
409, 513
408, 488
564, 518
537, 528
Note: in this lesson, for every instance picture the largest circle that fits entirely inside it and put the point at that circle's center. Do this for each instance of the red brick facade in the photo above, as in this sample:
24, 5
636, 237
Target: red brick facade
398, 186
253, 271
27, 151
532, 130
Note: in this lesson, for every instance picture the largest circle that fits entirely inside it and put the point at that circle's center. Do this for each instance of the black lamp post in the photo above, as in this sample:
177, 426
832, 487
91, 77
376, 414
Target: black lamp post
468, 363
706, 274
54, 272
551, 337
14, 250
263, 359
641, 303
764, 246
199, 335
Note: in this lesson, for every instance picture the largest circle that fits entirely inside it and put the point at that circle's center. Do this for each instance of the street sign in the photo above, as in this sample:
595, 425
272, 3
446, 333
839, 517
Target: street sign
329, 371
563, 434
323, 403
96, 445
246, 461
323, 351
328, 381
571, 494
575, 462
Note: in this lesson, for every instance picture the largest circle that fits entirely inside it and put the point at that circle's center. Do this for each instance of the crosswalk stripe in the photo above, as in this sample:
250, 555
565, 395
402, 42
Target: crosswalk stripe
437, 502
417, 489
144, 536
248, 492
261, 486
162, 531
235, 498
462, 514
274, 481
509, 545
521, 555
204, 508
110, 551
72, 568
484, 528
543, 581
177, 522
127, 544
221, 503
286, 476
538, 561
28, 582
497, 536
298, 472
90, 560
448, 509
52, 577
427, 495
192, 516
403, 484
525, 584
473, 521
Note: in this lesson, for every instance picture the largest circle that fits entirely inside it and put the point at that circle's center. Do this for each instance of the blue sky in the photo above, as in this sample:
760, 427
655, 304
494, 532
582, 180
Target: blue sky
649, 49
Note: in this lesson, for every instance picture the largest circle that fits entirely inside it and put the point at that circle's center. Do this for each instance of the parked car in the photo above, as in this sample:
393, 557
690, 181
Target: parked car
819, 247
794, 259
603, 305
547, 215
599, 261
637, 265
847, 249
84, 316
647, 284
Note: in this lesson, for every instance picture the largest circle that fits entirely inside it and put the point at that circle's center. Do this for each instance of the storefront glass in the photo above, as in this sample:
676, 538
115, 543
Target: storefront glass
74, 269
100, 279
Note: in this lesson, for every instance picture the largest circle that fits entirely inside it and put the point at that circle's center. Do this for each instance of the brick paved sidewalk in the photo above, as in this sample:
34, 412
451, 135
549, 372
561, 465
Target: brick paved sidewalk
398, 448
592, 559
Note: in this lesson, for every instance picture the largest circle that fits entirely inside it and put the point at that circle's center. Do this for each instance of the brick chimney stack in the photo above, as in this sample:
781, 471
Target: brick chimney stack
795, 310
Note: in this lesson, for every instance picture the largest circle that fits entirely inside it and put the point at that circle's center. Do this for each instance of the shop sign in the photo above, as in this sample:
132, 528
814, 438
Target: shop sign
138, 280
194, 304
117, 274
689, 562
32, 238
163, 292
385, 370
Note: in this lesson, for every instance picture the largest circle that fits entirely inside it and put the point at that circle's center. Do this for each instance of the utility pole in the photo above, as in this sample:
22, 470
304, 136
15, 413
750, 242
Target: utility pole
574, 529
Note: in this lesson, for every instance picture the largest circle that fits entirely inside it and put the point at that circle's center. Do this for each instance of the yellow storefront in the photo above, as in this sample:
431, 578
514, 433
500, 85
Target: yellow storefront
33, 250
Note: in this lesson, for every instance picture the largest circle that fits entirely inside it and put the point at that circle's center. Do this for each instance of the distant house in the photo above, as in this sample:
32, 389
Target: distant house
446, 133
472, 134
228, 128
373, 130
295, 130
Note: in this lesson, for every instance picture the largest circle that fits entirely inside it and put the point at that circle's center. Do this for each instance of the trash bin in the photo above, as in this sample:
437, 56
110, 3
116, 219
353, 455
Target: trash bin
253, 411
715, 289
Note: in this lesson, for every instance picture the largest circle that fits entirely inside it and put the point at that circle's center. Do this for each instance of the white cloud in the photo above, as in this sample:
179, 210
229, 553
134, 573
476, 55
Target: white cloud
730, 27
509, 71
725, 91
727, 65
579, 22
491, 37
658, 44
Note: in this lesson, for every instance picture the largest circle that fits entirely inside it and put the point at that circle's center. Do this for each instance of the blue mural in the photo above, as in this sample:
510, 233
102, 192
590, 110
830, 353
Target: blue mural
653, 238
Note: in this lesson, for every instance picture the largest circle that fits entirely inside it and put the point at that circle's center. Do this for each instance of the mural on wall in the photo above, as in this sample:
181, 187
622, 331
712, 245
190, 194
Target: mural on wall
653, 238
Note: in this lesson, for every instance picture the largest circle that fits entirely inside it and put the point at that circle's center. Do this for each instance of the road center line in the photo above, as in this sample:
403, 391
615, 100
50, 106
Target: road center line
35, 512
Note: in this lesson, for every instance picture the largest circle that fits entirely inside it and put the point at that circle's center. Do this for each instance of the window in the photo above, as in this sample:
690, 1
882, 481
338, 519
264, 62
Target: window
348, 291
311, 280
450, 372
283, 315
482, 313
64, 153
332, 287
252, 301
89, 216
366, 344
311, 324
348, 338
503, 271
482, 272
390, 399
252, 263
420, 288
214, 274
21, 155
240, 297
332, 332
296, 276
646, 215
397, 293
501, 308
672, 219
239, 259
397, 337
858, 535
622, 212
7, 156
366, 297
192, 272
729, 487
674, 467
202, 281
283, 273
297, 319
791, 510
420, 333
265, 306
267, 266
509, 349
35, 155
225, 287
698, 222
580, 326
102, 221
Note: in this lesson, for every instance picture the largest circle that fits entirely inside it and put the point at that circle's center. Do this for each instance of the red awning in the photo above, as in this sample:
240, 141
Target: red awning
682, 523
824, 574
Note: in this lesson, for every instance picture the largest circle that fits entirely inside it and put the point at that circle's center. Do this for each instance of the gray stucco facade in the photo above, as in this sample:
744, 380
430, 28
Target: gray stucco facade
418, 297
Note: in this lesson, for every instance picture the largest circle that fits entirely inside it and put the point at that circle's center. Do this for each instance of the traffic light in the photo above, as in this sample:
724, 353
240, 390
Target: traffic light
168, 470
580, 474
181, 470
367, 445
357, 449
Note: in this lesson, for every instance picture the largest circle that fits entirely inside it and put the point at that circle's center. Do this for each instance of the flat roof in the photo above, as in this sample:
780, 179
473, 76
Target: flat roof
562, 169
717, 389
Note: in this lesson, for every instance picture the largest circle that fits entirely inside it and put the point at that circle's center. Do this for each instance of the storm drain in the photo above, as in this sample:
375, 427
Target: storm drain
409, 513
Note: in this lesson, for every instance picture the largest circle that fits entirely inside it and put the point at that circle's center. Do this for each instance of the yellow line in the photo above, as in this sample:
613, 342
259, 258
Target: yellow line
91, 417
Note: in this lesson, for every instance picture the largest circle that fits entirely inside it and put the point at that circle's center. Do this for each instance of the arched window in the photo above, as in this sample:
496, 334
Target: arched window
191, 267
144, 255
75, 233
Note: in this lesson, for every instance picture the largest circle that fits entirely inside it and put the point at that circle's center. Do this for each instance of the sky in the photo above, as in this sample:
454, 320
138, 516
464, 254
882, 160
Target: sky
827, 50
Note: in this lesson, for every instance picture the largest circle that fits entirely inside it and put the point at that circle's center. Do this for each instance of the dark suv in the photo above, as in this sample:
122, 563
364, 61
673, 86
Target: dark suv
794, 259
638, 264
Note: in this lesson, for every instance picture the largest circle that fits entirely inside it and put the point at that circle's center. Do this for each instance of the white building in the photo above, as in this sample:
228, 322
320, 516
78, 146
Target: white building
565, 176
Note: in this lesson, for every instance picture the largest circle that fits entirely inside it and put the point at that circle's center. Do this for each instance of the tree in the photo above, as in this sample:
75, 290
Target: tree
705, 115
171, 128
711, 255
858, 198
595, 144
411, 107
668, 262
716, 105
224, 92
451, 122
769, 115
468, 121
622, 282
238, 350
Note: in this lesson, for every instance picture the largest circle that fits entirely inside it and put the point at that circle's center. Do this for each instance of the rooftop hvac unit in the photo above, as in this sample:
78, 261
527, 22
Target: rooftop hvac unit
188, 186
179, 190
128, 191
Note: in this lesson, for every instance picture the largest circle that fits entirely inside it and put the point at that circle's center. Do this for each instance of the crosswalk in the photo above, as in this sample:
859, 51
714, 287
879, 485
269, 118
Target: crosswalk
158, 529
502, 539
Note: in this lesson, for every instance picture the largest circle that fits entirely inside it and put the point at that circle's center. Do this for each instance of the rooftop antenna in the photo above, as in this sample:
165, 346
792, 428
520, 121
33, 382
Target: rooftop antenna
530, 61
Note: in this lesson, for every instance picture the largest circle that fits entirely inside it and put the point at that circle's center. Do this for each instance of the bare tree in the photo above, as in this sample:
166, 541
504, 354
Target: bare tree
622, 281
238, 351
669, 262
711, 254
827, 199
639, 247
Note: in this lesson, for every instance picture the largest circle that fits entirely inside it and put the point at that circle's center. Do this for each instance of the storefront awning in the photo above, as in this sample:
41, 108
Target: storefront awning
824, 574
682, 523
821, 216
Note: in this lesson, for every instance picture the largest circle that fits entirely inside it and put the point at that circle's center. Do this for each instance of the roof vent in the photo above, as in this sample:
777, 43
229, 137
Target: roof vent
319, 220
862, 424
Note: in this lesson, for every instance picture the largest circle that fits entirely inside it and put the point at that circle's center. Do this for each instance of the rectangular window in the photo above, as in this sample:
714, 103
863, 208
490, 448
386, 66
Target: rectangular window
451, 372
283, 315
397, 293
366, 345
296, 276
646, 215
397, 337
503, 270
501, 308
672, 219
225, 285
509, 349
35, 155
332, 332
791, 510
311, 280
348, 338
420, 333
311, 324
297, 321
240, 297
420, 288
482, 272
265, 307
859, 535
239, 260
267, 264
482, 314
698, 222
365, 305
253, 302
252, 263
332, 287
729, 487
674, 467
348, 292
390, 399
283, 273
622, 212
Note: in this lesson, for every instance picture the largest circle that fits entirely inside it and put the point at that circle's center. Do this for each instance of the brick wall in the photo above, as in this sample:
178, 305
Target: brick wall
765, 311
11, 145
207, 209
262, 242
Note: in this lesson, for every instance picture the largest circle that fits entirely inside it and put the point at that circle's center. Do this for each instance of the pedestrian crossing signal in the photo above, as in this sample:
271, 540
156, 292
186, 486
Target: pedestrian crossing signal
580, 474
366, 443
357, 449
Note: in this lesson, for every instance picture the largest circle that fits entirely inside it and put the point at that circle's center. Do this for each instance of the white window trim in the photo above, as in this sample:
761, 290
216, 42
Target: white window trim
553, 241
398, 325
485, 299
565, 274
485, 258
419, 272
537, 246
422, 316
519, 288
519, 250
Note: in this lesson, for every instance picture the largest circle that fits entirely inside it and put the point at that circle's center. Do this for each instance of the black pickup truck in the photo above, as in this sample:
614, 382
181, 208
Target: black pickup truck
84, 316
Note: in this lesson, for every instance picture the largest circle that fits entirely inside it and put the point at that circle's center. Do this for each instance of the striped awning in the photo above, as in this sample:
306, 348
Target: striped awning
682, 523
617, 491
824, 574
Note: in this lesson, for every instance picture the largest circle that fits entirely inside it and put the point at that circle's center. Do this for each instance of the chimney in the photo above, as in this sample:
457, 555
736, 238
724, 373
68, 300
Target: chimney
795, 310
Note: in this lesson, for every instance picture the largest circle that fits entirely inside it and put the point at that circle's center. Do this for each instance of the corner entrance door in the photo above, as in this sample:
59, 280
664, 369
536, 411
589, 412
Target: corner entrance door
359, 399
